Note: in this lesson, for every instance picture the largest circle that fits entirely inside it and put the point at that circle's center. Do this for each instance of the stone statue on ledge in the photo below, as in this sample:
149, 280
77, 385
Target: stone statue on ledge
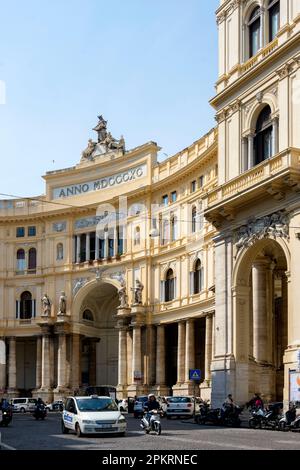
138, 293
106, 142
62, 304
123, 297
46, 306
88, 152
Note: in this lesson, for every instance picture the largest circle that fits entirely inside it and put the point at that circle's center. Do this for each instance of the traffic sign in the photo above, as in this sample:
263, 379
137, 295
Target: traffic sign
195, 374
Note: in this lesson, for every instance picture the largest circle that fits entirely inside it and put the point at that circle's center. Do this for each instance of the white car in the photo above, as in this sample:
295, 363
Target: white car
123, 406
92, 415
181, 406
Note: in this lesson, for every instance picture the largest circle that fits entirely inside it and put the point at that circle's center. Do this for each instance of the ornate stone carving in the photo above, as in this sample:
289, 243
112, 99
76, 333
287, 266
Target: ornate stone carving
123, 297
138, 290
62, 304
271, 226
59, 227
88, 222
88, 152
79, 283
46, 306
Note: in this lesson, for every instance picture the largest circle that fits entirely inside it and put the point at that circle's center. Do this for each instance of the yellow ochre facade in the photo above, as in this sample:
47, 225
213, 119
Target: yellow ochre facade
129, 272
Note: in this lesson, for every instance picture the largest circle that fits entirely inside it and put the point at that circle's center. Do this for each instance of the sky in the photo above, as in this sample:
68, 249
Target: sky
149, 66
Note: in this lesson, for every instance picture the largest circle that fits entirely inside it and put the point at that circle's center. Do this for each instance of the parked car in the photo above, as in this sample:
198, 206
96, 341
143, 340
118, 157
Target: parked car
123, 406
181, 407
138, 409
93, 415
57, 405
23, 405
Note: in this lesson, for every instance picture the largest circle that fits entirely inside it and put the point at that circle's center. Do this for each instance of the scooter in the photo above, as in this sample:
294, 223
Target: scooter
6, 417
151, 422
290, 421
40, 412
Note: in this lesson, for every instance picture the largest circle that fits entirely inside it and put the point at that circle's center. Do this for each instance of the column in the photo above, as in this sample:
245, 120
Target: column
74, 250
189, 348
181, 353
262, 28
115, 241
96, 246
38, 373
245, 162
61, 361
122, 361
250, 151
136, 351
260, 327
160, 355
18, 310
106, 247
87, 247
152, 354
275, 137
78, 249
208, 346
284, 314
46, 380
12, 365
93, 361
76, 362
2, 365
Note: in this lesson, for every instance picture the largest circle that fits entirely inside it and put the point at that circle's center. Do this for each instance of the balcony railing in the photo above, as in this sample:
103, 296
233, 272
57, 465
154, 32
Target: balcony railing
265, 171
261, 55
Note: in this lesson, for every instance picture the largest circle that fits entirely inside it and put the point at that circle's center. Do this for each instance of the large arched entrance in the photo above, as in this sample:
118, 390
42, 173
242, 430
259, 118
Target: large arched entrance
96, 308
260, 300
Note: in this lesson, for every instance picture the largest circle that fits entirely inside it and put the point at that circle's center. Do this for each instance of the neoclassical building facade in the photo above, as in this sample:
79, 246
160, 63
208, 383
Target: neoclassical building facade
129, 272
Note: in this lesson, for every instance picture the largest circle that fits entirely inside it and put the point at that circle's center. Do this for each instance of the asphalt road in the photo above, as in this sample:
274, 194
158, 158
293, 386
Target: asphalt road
27, 434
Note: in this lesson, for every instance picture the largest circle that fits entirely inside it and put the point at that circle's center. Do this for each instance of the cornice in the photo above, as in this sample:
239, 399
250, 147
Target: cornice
226, 10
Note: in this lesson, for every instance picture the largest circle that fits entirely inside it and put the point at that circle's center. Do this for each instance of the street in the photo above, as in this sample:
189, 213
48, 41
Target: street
27, 434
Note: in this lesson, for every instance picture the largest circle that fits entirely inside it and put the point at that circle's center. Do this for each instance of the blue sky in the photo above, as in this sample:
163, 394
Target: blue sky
148, 66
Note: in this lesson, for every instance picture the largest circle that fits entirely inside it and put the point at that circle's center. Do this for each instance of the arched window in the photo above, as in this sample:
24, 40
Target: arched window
137, 236
263, 136
26, 306
32, 259
87, 315
60, 252
254, 27
274, 18
170, 286
194, 219
174, 225
198, 277
21, 263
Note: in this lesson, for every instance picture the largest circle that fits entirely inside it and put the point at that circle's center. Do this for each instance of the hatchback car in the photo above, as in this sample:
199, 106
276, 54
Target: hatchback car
55, 406
181, 407
92, 415
23, 404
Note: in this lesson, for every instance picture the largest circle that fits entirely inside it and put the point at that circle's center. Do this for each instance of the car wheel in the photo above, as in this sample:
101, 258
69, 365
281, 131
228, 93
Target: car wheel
122, 434
22, 410
78, 430
64, 430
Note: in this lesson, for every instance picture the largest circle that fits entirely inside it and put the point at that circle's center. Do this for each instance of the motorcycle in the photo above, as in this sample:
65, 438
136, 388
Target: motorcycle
40, 412
6, 417
290, 421
257, 418
151, 422
230, 416
208, 415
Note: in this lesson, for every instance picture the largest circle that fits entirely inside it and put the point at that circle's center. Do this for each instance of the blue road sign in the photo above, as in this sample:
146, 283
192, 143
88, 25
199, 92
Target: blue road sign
195, 374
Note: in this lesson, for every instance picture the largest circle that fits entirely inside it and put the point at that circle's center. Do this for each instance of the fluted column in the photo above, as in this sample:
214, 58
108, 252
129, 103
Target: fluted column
189, 347
61, 361
181, 353
12, 364
208, 346
2, 365
115, 241
136, 351
160, 356
250, 151
76, 362
46, 379
260, 326
97, 247
106, 244
275, 133
122, 362
38, 373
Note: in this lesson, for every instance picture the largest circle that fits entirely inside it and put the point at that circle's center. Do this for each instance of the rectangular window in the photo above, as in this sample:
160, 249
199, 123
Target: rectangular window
174, 196
20, 232
193, 186
201, 181
31, 231
165, 200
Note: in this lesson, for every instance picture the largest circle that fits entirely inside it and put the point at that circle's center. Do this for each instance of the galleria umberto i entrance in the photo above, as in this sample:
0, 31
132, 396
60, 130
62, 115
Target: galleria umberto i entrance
129, 272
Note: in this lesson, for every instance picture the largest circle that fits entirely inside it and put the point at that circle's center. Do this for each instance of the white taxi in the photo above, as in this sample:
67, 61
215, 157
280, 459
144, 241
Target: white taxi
92, 415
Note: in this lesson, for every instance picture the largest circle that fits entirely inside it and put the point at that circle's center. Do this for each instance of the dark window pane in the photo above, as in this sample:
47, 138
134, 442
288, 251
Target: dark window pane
31, 231
20, 232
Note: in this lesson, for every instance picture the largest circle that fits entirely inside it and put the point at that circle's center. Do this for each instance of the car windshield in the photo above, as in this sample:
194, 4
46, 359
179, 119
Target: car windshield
179, 400
96, 404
